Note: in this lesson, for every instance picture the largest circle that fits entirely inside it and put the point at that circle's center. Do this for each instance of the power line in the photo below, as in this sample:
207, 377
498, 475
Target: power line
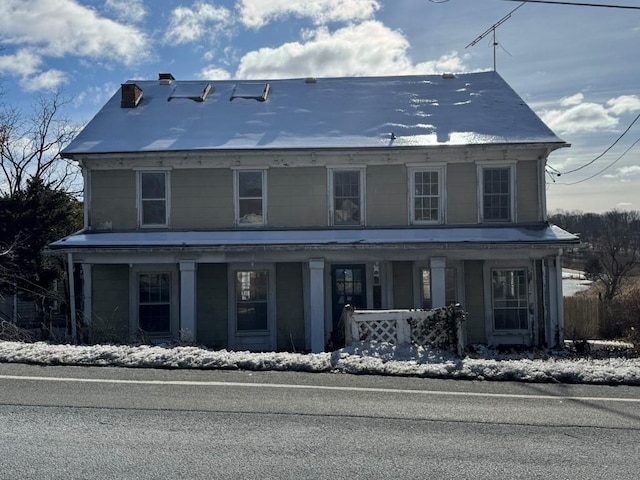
576, 4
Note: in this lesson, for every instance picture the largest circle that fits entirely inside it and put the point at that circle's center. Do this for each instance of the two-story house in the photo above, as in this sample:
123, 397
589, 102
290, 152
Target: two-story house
246, 214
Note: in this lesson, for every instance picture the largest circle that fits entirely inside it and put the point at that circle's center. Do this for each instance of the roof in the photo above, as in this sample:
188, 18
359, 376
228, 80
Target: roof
357, 112
542, 235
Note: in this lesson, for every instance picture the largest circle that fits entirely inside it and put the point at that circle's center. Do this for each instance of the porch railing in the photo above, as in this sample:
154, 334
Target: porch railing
441, 328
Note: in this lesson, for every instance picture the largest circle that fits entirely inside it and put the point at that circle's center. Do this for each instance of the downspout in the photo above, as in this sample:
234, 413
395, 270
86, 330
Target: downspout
72, 298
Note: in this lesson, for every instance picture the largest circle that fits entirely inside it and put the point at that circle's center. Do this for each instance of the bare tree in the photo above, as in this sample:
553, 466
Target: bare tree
616, 251
30, 147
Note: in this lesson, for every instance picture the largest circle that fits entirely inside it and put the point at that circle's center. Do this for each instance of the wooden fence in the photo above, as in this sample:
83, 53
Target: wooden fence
583, 318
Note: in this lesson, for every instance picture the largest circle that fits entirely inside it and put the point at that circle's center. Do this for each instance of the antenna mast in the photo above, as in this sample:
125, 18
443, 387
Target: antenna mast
492, 29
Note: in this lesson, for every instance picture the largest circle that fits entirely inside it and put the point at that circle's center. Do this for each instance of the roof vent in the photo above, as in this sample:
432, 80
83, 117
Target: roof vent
310, 80
131, 95
448, 76
165, 78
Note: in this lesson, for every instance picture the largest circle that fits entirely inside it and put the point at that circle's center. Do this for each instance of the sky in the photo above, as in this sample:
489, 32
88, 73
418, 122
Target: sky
578, 67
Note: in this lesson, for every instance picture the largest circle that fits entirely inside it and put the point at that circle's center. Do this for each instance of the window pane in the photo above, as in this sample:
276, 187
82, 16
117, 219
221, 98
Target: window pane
496, 194
250, 184
250, 210
252, 316
426, 288
153, 185
154, 212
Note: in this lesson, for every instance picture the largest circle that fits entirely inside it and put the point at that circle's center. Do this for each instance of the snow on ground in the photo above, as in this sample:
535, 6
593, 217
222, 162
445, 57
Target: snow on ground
573, 281
372, 359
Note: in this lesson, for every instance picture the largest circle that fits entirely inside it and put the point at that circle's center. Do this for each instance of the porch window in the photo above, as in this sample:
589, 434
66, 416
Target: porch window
252, 301
450, 287
497, 194
250, 197
347, 196
154, 302
153, 199
509, 299
426, 202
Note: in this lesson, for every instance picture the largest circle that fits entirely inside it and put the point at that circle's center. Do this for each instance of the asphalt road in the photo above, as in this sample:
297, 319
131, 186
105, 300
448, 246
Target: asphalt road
78, 423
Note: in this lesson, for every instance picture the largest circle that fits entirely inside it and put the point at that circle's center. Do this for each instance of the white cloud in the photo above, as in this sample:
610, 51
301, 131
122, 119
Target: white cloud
64, 27
49, 80
576, 99
369, 48
214, 73
257, 13
624, 173
624, 104
96, 96
23, 63
191, 24
127, 11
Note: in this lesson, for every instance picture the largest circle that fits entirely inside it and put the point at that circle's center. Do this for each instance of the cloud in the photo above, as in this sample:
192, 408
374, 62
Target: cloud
349, 51
23, 63
191, 24
64, 27
572, 100
257, 13
623, 173
49, 80
214, 73
127, 11
624, 104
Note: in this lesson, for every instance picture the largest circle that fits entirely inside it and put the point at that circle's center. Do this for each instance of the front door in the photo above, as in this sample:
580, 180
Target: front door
348, 285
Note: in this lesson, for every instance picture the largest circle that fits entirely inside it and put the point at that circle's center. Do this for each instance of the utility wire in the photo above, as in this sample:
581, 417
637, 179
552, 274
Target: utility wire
576, 4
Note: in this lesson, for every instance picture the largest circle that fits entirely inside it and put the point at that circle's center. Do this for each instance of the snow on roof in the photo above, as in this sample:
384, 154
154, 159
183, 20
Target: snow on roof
544, 235
357, 112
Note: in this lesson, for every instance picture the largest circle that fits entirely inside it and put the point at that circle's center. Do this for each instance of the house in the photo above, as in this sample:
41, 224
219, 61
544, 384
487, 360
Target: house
246, 214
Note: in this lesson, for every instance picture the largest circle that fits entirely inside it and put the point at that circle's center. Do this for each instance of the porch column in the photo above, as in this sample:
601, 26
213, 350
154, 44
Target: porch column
438, 296
555, 326
87, 294
188, 301
316, 304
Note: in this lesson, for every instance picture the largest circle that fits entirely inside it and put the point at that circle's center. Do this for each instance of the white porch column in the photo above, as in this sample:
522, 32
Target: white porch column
438, 296
188, 301
555, 326
316, 303
87, 294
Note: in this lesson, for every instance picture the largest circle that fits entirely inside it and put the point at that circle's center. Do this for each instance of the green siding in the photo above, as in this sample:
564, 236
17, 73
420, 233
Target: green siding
462, 197
474, 301
527, 191
386, 192
297, 197
110, 307
289, 307
202, 198
113, 199
403, 285
212, 310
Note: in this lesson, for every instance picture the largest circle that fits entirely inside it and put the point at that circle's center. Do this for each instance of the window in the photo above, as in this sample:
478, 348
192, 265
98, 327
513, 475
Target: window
252, 304
153, 199
509, 299
250, 186
426, 203
497, 199
450, 287
154, 302
346, 196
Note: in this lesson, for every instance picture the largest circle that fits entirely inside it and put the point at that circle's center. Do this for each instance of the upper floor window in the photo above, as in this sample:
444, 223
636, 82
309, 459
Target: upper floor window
346, 197
250, 197
153, 199
497, 199
427, 196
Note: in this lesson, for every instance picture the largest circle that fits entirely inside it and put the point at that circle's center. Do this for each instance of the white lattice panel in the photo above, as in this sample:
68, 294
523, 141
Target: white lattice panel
378, 331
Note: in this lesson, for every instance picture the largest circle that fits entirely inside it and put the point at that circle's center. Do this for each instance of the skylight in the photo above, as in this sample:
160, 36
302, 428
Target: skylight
254, 91
196, 91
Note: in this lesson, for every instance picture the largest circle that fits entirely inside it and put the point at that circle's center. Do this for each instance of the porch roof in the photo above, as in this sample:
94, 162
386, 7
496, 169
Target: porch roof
544, 235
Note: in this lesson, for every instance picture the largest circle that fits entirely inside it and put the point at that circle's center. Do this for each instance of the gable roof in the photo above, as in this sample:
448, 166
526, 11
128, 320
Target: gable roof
357, 112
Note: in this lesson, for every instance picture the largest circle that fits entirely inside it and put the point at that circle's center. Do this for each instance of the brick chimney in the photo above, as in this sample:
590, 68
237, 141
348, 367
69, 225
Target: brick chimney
131, 95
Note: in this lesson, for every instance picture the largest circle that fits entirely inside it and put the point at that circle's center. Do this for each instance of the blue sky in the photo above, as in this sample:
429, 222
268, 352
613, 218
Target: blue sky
577, 67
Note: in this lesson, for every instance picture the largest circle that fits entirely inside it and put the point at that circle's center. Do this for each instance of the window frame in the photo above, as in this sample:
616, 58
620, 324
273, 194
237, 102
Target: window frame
174, 300
412, 170
361, 171
140, 200
523, 301
482, 167
237, 199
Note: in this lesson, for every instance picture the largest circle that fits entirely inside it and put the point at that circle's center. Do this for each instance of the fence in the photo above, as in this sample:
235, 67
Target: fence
582, 318
442, 328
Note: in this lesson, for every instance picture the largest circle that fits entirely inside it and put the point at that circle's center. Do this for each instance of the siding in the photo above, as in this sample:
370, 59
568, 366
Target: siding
462, 197
297, 197
386, 192
527, 191
289, 307
201, 198
403, 285
212, 310
474, 301
113, 199
110, 291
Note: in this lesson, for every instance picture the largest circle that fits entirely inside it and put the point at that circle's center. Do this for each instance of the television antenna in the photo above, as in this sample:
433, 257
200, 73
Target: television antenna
492, 30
